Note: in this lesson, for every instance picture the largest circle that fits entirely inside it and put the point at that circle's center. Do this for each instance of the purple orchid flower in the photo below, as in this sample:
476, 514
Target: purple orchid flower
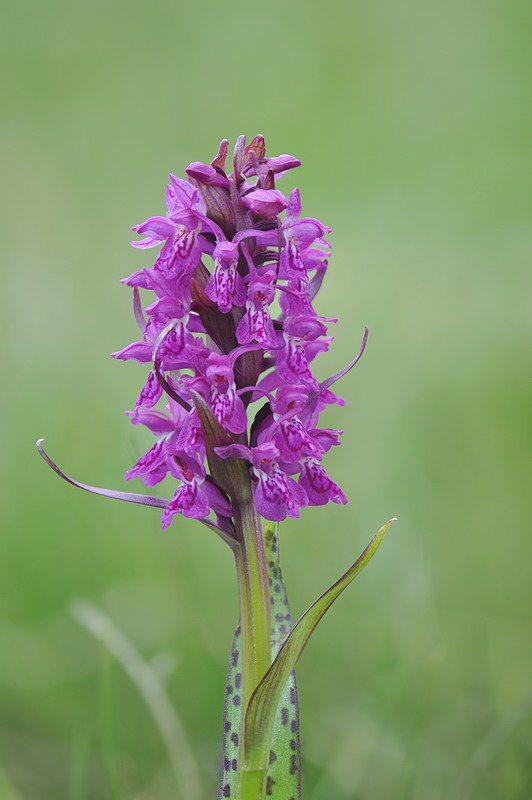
180, 231
276, 494
227, 406
257, 325
228, 243
226, 286
266, 202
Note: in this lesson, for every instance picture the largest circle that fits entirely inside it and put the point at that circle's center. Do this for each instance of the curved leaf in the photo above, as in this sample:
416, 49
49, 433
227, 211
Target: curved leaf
264, 701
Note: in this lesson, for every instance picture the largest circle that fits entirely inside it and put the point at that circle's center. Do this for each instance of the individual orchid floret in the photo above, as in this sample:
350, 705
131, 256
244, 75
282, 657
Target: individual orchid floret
184, 202
182, 247
188, 500
266, 202
300, 233
163, 457
225, 286
296, 299
179, 232
302, 230
318, 487
287, 432
207, 174
151, 467
227, 406
170, 338
293, 363
257, 325
189, 437
276, 494
195, 496
171, 347
293, 441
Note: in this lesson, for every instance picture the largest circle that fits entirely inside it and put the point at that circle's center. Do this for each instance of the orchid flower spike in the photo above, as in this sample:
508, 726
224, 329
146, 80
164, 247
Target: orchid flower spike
212, 331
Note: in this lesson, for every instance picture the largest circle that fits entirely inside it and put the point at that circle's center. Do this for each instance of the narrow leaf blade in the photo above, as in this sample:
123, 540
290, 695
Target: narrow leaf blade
264, 701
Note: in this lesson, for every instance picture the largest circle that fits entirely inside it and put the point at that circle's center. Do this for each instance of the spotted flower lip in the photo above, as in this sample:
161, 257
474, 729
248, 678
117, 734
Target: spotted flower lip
228, 308
226, 286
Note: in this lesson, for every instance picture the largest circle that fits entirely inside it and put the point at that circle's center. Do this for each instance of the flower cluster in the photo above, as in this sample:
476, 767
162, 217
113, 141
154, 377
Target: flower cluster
233, 323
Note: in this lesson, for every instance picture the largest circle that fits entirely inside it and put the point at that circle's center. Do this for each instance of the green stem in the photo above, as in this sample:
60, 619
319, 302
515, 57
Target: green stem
254, 594
252, 784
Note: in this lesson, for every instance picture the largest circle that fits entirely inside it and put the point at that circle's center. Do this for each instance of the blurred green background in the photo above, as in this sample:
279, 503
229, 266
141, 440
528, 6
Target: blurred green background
413, 122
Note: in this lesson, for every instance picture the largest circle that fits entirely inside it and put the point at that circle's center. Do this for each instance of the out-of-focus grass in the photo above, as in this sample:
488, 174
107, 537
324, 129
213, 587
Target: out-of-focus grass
413, 122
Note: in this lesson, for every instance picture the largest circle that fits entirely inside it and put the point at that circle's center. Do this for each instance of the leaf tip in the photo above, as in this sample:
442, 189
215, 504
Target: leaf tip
381, 533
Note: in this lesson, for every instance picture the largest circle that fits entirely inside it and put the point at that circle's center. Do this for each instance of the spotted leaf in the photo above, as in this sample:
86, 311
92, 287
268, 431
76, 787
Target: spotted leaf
262, 707
283, 781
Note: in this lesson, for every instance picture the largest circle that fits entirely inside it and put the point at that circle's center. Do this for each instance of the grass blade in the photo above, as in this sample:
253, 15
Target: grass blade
150, 687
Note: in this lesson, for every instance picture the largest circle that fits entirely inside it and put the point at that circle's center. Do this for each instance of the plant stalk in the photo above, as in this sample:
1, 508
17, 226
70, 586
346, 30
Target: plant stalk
254, 596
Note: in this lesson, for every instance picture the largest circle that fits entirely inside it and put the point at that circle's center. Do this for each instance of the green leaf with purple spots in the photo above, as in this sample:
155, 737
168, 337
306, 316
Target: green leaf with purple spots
262, 707
232, 722
283, 781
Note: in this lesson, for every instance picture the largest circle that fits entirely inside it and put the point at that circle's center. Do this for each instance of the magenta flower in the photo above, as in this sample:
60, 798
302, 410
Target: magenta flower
231, 243
257, 325
276, 494
226, 286
267, 202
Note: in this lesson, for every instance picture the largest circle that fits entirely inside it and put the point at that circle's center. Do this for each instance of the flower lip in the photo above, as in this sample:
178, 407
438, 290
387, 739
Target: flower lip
290, 398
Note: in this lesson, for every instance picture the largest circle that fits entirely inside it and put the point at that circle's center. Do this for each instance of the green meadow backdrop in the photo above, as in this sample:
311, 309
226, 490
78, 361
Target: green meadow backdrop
413, 121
